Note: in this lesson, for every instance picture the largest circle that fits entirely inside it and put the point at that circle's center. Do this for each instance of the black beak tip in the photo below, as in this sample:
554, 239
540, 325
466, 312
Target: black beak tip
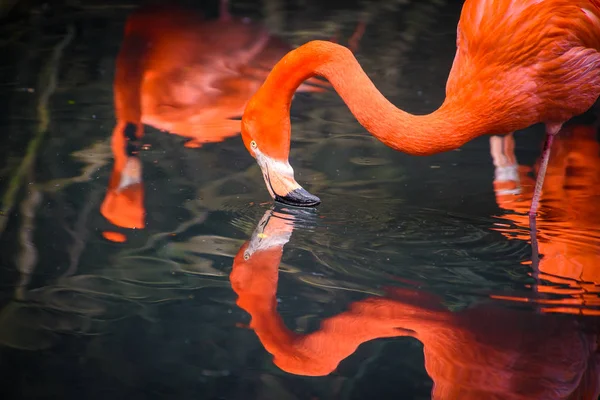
299, 198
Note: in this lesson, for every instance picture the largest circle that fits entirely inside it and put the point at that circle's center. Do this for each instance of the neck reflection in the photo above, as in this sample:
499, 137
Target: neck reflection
486, 351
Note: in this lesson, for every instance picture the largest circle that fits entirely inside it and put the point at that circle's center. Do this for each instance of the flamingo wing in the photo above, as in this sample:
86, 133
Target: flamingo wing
532, 60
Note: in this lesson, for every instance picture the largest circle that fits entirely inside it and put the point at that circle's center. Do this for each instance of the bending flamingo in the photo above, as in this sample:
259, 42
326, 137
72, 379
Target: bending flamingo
518, 62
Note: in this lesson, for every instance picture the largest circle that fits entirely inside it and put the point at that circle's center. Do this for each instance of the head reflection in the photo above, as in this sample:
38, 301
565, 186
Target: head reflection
483, 352
566, 235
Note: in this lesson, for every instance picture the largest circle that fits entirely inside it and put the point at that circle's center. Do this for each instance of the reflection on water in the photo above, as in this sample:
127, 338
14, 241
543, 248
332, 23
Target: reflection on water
568, 230
402, 284
485, 351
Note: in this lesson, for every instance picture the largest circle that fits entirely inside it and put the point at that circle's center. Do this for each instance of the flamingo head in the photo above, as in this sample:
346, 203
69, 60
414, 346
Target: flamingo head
271, 152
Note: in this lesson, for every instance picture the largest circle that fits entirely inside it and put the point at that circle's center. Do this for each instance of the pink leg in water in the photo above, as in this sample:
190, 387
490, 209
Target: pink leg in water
551, 131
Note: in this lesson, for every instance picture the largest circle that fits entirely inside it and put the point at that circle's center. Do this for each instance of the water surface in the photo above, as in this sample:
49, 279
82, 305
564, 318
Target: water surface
415, 279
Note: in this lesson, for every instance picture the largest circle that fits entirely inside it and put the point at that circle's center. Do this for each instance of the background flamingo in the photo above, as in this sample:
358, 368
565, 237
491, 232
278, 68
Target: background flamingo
518, 62
187, 75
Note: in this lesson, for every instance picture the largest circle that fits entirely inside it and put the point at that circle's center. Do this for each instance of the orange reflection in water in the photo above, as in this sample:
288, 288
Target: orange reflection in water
123, 203
190, 76
187, 75
568, 228
484, 352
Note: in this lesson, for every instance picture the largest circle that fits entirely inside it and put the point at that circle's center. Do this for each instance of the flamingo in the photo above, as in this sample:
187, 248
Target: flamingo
518, 63
483, 352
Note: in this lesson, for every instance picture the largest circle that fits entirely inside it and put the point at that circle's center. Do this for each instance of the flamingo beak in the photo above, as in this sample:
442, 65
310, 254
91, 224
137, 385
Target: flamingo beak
279, 178
299, 198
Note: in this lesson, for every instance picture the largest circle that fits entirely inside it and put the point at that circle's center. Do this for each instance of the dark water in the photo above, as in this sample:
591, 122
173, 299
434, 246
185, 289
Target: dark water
414, 279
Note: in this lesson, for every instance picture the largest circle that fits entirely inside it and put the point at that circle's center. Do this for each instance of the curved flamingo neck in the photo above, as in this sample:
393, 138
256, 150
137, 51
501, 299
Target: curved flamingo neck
267, 113
319, 353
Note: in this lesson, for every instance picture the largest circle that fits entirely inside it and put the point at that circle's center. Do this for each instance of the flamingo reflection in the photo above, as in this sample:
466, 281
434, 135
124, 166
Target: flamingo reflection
567, 235
484, 352
181, 73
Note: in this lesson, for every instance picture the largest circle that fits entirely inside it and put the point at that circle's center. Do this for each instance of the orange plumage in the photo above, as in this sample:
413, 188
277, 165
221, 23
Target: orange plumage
518, 62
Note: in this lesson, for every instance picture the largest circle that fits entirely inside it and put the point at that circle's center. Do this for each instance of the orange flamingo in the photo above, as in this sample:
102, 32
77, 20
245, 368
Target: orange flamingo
518, 62
192, 77
484, 352
568, 233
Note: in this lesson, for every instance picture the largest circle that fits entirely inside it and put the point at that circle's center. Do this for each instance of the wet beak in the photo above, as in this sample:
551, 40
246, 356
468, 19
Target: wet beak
299, 198
279, 178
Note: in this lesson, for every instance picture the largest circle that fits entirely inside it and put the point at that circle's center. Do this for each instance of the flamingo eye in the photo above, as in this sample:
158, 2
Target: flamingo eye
253, 144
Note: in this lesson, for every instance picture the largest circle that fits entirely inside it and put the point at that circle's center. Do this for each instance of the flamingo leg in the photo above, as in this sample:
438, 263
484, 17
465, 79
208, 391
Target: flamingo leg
551, 131
535, 252
502, 150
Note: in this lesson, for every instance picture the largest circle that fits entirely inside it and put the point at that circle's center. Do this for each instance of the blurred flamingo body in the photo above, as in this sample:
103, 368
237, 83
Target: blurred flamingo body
184, 74
518, 63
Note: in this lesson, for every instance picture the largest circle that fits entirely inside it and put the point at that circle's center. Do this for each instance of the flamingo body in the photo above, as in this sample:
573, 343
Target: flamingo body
537, 61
